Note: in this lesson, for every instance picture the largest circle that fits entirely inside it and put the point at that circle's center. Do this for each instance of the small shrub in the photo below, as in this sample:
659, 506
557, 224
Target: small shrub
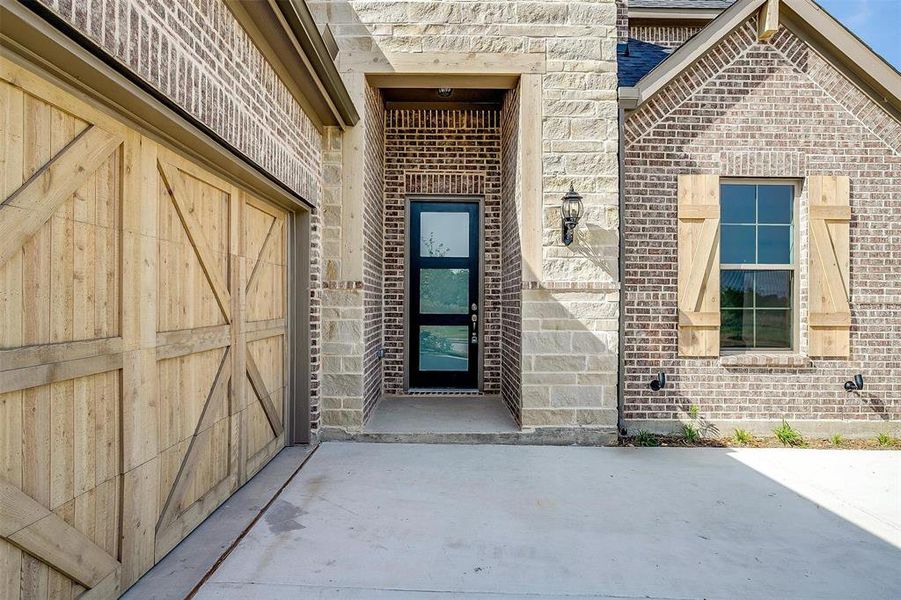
885, 440
743, 436
646, 439
693, 411
836, 439
788, 435
690, 433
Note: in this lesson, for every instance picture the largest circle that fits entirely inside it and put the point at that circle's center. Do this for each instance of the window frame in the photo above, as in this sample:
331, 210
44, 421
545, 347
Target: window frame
796, 186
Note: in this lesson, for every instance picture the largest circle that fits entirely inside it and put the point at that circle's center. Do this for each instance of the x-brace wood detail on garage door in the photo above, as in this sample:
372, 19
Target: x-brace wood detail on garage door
143, 323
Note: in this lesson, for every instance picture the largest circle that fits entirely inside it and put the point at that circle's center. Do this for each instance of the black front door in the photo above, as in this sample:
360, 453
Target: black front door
444, 295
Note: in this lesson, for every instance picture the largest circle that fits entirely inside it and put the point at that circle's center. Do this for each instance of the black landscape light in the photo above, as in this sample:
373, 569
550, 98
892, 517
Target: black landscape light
659, 383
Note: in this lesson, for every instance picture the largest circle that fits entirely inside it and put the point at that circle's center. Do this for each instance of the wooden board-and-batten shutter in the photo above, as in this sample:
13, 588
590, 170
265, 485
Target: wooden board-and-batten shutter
699, 265
829, 317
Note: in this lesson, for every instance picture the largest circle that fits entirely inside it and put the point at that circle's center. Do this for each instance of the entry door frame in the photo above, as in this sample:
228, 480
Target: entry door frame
444, 198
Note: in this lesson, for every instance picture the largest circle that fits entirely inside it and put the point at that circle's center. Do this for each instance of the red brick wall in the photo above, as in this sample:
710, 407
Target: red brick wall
373, 248
511, 259
622, 21
754, 109
199, 56
441, 152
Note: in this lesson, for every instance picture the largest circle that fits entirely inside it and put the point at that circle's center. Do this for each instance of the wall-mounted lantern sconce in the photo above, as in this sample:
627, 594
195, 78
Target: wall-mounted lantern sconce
659, 383
571, 211
855, 385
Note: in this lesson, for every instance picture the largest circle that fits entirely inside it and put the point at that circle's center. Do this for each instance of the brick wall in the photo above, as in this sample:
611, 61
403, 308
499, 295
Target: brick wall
441, 152
198, 55
622, 21
668, 35
373, 250
315, 315
511, 258
754, 109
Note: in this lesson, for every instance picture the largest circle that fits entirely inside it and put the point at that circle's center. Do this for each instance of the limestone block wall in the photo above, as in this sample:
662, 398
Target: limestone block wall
352, 266
341, 350
577, 108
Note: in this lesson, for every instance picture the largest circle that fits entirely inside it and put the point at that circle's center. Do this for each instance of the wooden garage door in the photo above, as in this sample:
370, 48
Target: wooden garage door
142, 343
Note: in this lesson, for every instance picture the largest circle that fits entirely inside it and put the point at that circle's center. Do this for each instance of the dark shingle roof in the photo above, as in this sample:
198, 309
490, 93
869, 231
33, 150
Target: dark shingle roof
700, 4
636, 60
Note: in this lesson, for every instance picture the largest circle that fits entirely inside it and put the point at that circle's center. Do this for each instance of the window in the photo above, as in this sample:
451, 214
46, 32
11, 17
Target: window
757, 265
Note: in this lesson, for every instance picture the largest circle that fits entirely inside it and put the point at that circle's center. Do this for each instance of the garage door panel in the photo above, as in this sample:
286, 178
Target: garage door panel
142, 374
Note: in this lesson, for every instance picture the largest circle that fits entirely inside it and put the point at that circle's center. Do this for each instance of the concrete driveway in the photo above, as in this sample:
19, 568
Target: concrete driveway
376, 521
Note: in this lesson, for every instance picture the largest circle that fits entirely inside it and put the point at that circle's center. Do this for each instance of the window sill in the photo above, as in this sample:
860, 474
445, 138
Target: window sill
765, 360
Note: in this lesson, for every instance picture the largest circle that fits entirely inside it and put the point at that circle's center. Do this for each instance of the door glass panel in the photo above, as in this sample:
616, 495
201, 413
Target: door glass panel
444, 234
444, 348
444, 291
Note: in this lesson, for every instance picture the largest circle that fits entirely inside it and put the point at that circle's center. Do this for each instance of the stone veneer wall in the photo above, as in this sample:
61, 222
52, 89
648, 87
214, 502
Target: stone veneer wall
342, 347
668, 35
197, 54
441, 152
511, 257
753, 109
373, 250
572, 309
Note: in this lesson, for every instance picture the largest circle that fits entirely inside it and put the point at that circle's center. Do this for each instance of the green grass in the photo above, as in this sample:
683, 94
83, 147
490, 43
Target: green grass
690, 433
742, 436
788, 435
836, 439
646, 438
885, 440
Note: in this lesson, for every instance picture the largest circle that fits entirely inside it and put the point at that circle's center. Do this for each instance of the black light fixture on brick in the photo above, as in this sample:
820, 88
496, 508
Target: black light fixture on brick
856, 384
571, 211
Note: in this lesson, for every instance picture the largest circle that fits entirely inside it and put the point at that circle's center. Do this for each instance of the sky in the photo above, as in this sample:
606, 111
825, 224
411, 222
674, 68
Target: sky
876, 22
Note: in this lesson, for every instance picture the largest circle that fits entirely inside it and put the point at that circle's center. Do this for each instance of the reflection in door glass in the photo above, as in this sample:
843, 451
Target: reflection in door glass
444, 291
444, 348
444, 234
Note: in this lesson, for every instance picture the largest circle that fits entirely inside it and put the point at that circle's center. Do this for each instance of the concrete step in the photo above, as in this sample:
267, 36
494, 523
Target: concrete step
543, 436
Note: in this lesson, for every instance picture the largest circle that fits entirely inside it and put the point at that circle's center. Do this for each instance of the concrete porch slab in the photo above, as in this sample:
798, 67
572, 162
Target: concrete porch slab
413, 521
460, 420
441, 414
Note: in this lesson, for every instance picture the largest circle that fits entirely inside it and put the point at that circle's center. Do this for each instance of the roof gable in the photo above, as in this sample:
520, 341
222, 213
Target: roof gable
882, 81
